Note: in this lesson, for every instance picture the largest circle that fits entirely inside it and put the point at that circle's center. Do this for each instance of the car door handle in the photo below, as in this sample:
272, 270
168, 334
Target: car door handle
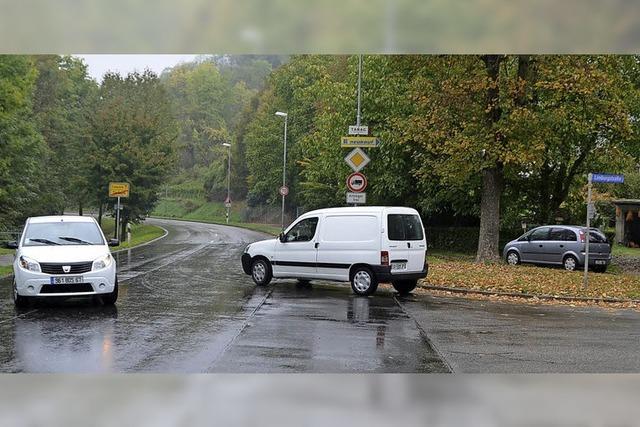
316, 245
562, 246
540, 245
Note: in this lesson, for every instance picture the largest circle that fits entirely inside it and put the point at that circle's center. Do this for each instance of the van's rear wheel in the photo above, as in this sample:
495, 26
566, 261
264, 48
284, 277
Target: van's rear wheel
261, 272
404, 287
363, 281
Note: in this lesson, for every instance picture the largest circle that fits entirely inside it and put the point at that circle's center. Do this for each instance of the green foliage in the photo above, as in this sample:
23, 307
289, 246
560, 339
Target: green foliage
134, 134
21, 147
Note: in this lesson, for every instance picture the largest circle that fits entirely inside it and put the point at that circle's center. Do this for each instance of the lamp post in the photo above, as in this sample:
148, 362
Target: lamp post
228, 201
284, 160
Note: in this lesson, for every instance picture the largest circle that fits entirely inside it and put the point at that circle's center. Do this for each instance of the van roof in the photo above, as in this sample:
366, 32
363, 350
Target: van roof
59, 218
363, 209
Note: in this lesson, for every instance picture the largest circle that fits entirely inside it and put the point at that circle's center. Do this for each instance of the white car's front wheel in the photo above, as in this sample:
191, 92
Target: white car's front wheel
19, 300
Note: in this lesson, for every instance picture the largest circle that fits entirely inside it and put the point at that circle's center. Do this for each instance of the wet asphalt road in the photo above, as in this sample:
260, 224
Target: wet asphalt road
186, 306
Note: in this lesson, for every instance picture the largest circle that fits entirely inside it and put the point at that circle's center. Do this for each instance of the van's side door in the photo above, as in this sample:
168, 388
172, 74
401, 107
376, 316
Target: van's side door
347, 239
297, 255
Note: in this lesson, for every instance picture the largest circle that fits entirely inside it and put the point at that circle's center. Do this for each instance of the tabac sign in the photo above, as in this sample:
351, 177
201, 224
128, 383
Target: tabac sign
118, 189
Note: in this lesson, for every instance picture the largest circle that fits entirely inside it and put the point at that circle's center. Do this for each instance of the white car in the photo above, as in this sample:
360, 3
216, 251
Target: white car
63, 256
361, 245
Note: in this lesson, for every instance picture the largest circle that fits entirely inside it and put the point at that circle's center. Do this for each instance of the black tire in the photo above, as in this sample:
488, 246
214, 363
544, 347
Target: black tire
404, 287
513, 258
261, 272
570, 263
112, 297
600, 268
19, 300
363, 281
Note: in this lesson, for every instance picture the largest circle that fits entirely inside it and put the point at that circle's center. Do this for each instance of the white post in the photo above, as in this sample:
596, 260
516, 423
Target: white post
284, 166
585, 282
229, 183
118, 220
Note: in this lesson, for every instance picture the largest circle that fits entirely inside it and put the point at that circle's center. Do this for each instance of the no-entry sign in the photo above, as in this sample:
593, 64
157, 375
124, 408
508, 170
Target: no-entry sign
356, 182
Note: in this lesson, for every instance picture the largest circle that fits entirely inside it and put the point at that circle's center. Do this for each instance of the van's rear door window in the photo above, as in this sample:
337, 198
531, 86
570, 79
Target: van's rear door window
404, 227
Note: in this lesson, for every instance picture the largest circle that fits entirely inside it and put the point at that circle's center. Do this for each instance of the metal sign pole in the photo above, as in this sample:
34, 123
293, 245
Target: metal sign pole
118, 220
359, 87
229, 184
284, 168
585, 282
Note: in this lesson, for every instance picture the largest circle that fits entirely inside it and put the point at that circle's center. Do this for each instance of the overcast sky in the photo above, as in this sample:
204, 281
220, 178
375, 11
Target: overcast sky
98, 65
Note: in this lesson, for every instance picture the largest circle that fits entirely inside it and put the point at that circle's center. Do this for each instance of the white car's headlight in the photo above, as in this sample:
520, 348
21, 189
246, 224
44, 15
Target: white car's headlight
29, 264
102, 262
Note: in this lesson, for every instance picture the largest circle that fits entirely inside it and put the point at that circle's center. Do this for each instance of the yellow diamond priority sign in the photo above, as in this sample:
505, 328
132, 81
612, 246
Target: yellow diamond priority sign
357, 159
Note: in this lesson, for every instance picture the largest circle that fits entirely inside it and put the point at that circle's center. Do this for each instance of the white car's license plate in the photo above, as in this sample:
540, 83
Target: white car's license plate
66, 280
397, 266
600, 262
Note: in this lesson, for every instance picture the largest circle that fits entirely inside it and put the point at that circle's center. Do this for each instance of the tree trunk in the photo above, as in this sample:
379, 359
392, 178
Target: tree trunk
488, 241
80, 207
100, 214
492, 176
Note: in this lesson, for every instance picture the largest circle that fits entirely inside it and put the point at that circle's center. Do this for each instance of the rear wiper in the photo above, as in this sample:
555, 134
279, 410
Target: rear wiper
75, 240
45, 241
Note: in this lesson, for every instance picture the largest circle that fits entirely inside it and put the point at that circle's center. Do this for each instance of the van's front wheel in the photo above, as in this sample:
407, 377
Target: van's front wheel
261, 272
363, 281
404, 287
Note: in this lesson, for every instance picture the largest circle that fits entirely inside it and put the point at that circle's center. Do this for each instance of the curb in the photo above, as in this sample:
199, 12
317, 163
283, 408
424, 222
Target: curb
528, 296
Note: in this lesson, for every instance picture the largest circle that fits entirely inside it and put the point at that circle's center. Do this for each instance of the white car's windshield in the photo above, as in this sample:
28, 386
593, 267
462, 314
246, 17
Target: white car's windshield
63, 233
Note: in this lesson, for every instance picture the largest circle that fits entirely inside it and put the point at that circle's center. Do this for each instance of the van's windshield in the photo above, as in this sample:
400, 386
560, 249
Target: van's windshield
404, 227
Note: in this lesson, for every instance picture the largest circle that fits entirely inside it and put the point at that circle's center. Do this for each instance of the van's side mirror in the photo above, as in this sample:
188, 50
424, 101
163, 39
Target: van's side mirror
281, 237
114, 242
11, 245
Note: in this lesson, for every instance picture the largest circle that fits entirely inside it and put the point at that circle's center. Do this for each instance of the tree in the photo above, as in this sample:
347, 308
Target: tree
135, 137
21, 147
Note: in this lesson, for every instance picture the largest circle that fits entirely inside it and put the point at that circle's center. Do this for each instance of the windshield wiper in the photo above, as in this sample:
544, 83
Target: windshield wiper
45, 241
75, 240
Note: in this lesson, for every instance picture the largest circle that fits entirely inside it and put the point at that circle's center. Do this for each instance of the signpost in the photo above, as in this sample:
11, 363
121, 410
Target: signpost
284, 190
118, 189
603, 178
357, 198
359, 141
359, 130
357, 159
356, 182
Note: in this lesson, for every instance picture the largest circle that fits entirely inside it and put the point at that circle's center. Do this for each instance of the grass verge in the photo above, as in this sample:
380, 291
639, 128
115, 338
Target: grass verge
452, 272
140, 233
621, 250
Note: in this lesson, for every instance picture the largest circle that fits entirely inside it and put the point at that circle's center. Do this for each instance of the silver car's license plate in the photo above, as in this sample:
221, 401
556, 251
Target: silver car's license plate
66, 280
600, 262
398, 266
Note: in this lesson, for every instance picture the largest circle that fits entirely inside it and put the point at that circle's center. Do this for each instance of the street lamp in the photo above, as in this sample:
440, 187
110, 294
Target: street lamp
228, 201
284, 161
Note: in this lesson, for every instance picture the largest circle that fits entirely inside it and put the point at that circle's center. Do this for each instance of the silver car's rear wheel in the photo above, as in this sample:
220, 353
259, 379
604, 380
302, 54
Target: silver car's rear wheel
570, 263
513, 258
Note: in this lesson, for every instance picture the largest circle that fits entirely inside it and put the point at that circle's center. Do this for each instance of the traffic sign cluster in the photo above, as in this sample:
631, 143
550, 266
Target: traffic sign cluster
357, 159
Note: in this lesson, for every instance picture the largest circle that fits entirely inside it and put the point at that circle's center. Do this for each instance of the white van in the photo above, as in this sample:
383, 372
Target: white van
361, 245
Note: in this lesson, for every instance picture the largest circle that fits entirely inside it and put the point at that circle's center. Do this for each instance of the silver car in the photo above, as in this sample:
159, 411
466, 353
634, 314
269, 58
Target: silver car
560, 245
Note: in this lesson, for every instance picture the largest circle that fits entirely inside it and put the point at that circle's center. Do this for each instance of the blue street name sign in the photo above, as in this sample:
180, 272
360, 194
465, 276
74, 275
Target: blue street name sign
607, 178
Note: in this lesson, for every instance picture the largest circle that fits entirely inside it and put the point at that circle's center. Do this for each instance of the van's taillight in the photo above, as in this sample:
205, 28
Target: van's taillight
582, 239
384, 257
